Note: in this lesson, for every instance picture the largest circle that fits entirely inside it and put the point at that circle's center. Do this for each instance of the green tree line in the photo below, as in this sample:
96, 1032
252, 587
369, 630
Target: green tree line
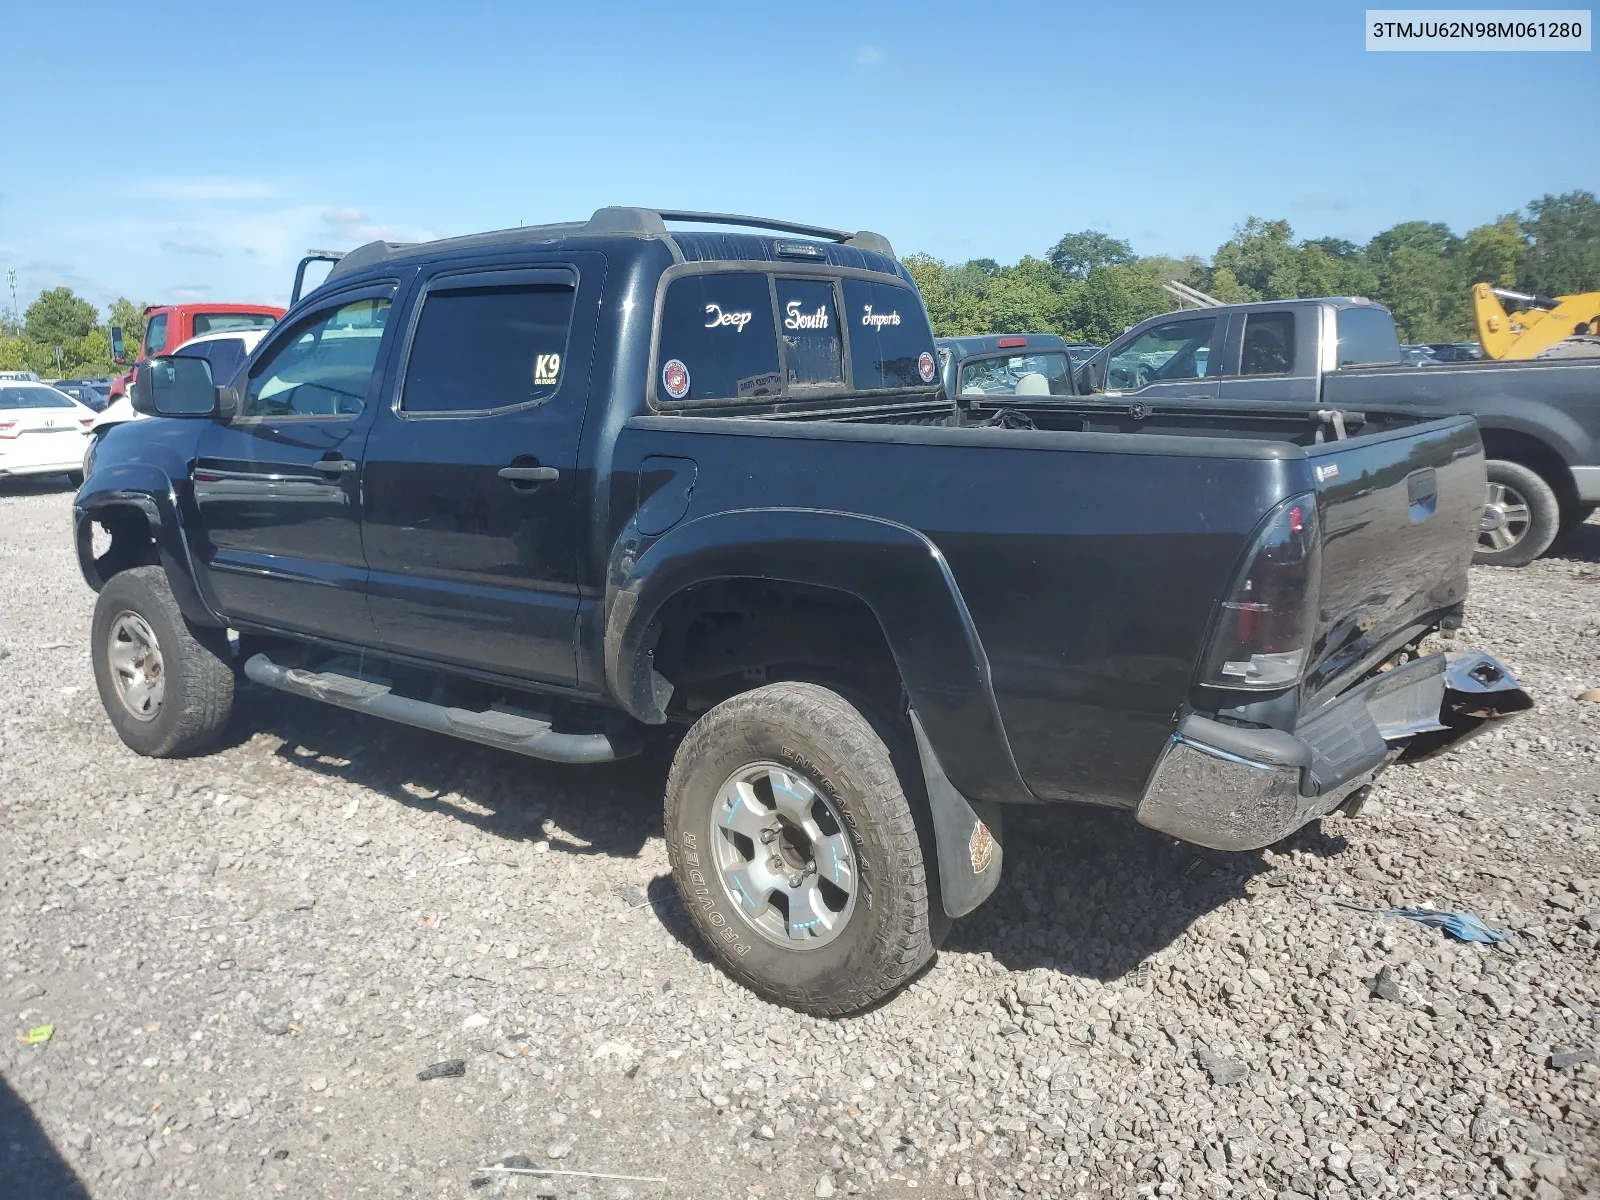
1089, 287
60, 317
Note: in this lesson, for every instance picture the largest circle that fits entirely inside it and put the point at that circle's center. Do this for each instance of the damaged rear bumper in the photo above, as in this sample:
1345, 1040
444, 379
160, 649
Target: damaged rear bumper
1236, 788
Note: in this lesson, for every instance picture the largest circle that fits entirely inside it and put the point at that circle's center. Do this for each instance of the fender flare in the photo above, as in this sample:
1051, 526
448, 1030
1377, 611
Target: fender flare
150, 493
1556, 431
897, 572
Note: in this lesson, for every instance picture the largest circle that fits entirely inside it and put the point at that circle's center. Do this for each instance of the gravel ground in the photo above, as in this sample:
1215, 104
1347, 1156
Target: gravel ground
247, 958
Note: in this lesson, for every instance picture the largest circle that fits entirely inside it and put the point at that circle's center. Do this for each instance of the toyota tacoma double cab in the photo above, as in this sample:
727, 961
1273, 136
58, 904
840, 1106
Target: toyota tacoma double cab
566, 490
1539, 418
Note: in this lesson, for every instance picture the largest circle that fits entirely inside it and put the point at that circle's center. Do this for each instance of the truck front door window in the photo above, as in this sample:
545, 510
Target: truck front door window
155, 335
324, 368
1174, 350
718, 341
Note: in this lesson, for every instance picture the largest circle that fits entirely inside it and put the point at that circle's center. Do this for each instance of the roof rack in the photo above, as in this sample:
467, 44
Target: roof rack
647, 221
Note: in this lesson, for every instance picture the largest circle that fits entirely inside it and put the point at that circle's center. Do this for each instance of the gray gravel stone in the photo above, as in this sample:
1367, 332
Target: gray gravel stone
1058, 1046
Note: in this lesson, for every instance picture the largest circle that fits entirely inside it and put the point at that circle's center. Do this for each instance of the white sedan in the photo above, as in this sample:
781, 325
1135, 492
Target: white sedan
42, 431
226, 351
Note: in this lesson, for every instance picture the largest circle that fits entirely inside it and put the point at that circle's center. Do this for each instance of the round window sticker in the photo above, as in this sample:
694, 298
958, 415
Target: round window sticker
925, 367
675, 378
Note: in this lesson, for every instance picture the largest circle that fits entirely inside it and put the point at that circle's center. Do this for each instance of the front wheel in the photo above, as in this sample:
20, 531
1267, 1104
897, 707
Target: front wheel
794, 846
166, 685
1521, 516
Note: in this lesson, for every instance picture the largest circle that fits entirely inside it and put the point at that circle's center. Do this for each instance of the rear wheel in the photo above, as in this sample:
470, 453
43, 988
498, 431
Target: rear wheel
166, 685
795, 849
1521, 516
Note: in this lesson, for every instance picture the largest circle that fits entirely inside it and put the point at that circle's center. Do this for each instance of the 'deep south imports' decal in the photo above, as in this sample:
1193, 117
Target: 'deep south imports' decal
716, 317
793, 318
925, 367
675, 379
878, 320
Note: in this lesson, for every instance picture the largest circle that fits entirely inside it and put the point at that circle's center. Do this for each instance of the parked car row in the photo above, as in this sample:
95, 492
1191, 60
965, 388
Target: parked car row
736, 507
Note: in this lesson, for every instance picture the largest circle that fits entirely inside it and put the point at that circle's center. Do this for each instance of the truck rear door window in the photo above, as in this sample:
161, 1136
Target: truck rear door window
482, 348
718, 340
888, 335
1366, 335
1268, 344
813, 352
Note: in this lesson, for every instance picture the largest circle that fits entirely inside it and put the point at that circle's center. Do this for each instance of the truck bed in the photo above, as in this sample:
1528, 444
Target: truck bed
1093, 548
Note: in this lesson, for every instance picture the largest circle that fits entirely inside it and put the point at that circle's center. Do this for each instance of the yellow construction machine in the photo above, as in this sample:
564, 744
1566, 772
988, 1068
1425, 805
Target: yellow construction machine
1542, 327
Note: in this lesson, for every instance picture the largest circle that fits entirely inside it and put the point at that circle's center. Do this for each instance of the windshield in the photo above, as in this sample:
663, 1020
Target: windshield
33, 397
1046, 374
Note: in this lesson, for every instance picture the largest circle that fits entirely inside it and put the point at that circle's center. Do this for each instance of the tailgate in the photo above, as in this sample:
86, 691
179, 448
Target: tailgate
1399, 514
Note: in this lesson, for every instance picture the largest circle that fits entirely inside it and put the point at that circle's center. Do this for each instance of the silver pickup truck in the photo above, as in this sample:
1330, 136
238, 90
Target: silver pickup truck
1540, 419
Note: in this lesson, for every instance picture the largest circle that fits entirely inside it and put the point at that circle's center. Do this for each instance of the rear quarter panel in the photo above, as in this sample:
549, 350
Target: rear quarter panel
1388, 560
1091, 563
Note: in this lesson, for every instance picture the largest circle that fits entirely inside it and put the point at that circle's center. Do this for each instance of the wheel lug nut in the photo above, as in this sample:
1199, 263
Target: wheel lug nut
768, 835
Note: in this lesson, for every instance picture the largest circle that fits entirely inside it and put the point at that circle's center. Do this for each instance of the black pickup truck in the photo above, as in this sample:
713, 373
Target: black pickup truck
563, 489
1540, 419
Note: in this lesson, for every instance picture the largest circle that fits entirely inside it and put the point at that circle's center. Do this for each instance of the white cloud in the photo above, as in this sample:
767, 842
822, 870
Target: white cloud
344, 216
868, 56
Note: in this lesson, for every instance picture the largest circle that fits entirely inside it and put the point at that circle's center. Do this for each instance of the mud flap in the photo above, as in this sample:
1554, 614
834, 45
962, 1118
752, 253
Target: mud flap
968, 846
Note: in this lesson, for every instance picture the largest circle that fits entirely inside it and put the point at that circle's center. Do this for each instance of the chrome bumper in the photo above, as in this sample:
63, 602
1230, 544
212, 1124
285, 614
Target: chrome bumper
1234, 788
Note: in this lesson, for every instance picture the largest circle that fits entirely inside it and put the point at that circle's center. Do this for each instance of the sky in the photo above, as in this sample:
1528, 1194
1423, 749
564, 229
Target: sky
200, 158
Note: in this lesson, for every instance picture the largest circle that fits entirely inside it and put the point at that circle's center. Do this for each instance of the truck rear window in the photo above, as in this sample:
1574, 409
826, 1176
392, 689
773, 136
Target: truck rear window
888, 334
217, 322
717, 339
748, 335
812, 350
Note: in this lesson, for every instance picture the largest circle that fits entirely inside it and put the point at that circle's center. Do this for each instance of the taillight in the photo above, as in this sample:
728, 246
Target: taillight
86, 421
1009, 343
1264, 630
9, 429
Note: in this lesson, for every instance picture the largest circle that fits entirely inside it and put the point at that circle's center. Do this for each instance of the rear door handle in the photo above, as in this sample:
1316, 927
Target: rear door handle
333, 466
530, 474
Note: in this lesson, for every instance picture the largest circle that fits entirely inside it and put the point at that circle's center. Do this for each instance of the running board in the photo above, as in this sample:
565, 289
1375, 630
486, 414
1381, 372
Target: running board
522, 733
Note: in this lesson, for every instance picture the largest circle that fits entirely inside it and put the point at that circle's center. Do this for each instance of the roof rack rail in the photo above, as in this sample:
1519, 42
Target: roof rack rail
651, 220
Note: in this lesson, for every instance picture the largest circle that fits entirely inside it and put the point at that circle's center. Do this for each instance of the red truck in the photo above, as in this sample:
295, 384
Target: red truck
168, 326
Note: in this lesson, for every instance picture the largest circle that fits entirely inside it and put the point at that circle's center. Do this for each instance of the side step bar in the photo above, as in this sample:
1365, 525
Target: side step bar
515, 731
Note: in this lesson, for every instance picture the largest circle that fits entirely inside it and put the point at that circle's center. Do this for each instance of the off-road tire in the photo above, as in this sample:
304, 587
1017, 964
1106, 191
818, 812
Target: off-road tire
1544, 515
891, 931
196, 662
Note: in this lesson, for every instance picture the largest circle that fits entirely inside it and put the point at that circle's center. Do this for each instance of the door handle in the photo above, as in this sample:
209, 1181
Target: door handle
333, 466
530, 474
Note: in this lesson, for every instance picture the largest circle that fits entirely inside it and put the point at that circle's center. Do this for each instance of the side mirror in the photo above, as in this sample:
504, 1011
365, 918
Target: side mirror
1092, 376
119, 353
175, 385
